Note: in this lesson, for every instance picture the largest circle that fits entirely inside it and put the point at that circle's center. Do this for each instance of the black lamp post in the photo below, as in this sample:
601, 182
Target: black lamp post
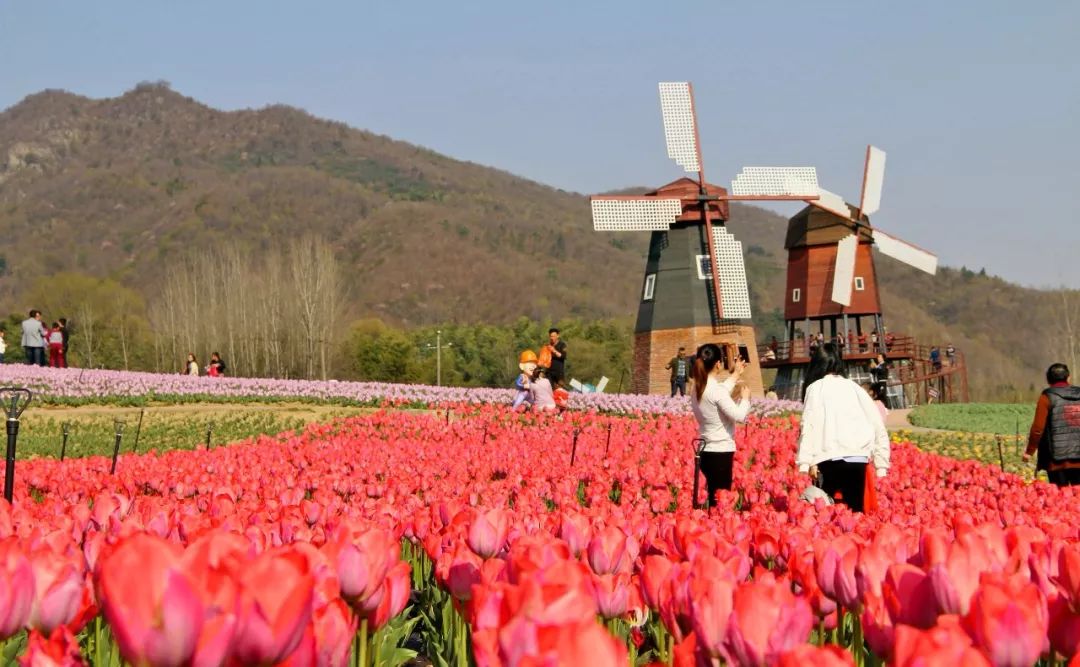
14, 400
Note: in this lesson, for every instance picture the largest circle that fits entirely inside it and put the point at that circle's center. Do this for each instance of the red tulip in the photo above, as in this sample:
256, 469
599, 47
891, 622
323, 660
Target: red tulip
909, 597
487, 534
576, 531
394, 598
1008, 620
944, 645
711, 600
816, 656
275, 606
767, 620
156, 616
60, 649
955, 577
1064, 627
458, 571
16, 588
213, 564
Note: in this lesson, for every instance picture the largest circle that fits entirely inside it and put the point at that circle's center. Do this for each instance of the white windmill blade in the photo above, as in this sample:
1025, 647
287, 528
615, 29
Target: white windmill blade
680, 124
776, 182
844, 269
832, 202
731, 272
630, 215
905, 252
873, 180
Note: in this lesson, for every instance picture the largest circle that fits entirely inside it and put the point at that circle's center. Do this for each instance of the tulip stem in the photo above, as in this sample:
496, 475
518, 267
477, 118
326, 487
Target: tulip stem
363, 652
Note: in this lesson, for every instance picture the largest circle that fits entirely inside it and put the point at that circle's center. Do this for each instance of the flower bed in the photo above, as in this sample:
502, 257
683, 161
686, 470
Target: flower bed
72, 385
528, 541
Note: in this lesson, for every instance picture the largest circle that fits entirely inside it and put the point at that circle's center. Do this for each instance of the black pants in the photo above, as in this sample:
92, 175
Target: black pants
716, 466
1064, 477
844, 482
678, 384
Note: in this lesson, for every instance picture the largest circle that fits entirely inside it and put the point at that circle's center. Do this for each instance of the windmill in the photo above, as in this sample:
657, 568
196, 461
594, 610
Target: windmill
857, 219
694, 290
832, 286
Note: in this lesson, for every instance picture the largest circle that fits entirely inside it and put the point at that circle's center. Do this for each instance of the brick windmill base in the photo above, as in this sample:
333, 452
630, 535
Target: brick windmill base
653, 350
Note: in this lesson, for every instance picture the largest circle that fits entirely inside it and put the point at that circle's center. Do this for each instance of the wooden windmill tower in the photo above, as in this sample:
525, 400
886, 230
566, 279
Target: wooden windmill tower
831, 281
694, 290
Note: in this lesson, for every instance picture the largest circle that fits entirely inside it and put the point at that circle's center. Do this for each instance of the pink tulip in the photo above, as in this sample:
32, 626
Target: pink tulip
612, 594
1008, 620
711, 603
487, 534
767, 620
576, 531
362, 557
60, 587
611, 551
156, 616
16, 588
836, 565
275, 606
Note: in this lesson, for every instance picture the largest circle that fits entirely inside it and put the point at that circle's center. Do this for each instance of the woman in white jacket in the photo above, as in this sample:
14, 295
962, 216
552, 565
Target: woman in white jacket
718, 405
842, 430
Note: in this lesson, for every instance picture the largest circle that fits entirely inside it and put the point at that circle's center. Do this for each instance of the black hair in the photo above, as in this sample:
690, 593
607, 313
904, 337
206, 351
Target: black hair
553, 330
705, 360
827, 360
1057, 373
34, 312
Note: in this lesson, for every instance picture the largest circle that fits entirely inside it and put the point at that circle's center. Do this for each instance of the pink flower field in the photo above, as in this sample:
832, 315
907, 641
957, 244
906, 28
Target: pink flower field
370, 540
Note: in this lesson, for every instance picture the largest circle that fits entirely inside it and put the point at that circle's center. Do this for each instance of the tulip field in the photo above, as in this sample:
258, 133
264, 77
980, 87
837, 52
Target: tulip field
502, 538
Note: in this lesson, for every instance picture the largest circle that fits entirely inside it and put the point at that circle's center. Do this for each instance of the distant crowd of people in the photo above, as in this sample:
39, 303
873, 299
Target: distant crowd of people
540, 384
42, 345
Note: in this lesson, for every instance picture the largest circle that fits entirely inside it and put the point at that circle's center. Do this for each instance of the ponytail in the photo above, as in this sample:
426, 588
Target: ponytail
705, 360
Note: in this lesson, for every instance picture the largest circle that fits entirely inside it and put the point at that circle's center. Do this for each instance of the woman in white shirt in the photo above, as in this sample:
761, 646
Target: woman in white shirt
718, 405
842, 431
192, 365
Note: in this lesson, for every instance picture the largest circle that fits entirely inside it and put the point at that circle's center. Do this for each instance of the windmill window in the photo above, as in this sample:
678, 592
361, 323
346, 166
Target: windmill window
860, 284
796, 295
650, 287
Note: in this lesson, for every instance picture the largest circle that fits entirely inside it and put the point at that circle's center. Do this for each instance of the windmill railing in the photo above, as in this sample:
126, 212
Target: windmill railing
799, 350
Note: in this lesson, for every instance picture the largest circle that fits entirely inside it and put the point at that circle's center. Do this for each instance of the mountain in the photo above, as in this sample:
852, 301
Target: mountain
119, 187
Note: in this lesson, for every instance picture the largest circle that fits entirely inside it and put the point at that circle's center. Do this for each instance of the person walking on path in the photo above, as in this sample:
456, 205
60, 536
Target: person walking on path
557, 370
55, 339
680, 370
718, 405
33, 338
842, 431
1055, 431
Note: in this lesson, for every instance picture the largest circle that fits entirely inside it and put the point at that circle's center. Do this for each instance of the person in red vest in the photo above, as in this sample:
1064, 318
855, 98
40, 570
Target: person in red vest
55, 339
1055, 431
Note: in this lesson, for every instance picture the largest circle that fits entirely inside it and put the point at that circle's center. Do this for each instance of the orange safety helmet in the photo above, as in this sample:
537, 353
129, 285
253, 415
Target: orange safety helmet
527, 357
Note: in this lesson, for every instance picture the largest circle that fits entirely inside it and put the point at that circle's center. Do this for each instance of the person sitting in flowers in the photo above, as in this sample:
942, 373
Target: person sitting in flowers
523, 384
842, 431
718, 405
542, 396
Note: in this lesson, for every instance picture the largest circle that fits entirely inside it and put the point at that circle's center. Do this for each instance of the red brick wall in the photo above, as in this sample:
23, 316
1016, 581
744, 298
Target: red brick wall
653, 350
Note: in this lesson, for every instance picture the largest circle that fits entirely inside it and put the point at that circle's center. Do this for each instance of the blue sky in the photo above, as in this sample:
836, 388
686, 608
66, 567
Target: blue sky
977, 103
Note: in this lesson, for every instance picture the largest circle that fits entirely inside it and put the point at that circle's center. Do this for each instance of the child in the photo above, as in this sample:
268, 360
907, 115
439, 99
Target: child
55, 338
874, 392
543, 398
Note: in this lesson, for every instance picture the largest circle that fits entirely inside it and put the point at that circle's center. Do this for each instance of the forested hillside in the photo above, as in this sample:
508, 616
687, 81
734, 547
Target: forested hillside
113, 195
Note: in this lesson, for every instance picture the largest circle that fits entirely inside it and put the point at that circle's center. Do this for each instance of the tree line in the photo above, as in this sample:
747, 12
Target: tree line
285, 312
